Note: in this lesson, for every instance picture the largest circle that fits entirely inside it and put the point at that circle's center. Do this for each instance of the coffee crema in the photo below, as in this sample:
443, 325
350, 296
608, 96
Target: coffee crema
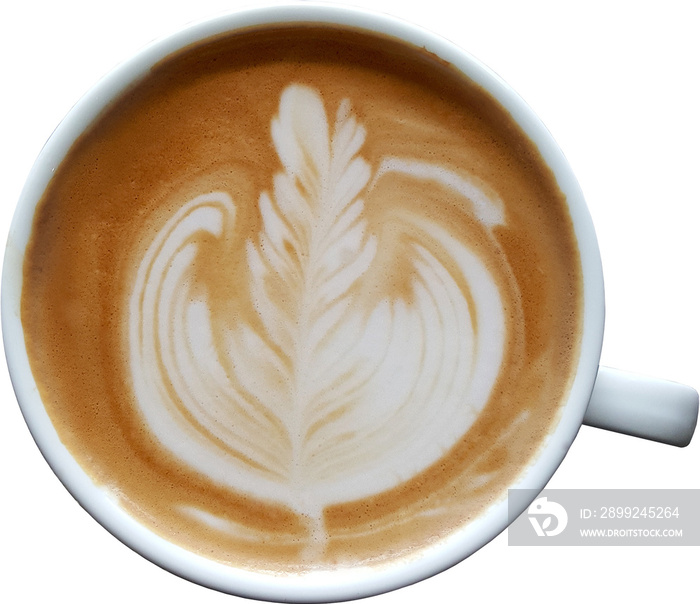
303, 297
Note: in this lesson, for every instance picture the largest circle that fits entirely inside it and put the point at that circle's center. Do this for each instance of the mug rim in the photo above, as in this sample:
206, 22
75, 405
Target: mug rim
317, 586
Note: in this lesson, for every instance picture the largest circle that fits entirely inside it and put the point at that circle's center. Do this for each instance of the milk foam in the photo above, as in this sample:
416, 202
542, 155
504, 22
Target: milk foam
329, 393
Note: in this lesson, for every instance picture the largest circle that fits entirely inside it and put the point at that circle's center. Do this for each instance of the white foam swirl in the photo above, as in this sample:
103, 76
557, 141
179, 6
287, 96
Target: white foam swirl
319, 399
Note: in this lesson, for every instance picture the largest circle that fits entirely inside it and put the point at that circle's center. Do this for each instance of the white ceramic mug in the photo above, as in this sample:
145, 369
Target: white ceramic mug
651, 409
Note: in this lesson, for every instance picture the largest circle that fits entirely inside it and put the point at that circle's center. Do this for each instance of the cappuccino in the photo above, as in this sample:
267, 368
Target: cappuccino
303, 296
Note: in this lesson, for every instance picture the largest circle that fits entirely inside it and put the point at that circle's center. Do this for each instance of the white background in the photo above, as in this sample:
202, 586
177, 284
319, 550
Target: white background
615, 82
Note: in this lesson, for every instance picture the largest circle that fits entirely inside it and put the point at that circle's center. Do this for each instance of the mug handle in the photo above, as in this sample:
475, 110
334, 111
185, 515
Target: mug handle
659, 410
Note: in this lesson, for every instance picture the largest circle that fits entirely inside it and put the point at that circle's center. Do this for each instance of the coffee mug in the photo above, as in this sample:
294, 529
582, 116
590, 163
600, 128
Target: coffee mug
288, 311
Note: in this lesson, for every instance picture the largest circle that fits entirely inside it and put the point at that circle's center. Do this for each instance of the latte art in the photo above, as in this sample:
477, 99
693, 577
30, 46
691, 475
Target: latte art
303, 297
333, 392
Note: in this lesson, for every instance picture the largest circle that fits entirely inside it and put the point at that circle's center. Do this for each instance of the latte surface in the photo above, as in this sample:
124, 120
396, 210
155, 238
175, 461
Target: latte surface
303, 297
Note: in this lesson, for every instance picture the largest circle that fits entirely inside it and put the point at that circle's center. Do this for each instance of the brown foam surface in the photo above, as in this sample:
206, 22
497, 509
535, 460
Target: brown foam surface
201, 123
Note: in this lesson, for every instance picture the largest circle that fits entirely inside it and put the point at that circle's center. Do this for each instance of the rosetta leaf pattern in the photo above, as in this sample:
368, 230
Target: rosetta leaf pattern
320, 399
